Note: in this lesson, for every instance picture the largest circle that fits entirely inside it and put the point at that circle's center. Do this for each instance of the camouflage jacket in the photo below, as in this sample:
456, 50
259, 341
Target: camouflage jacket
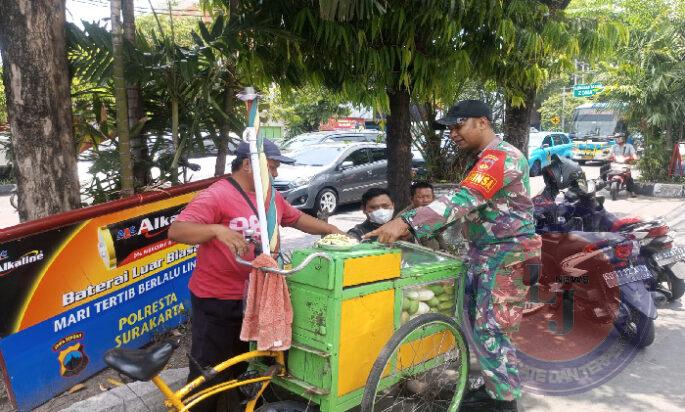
494, 200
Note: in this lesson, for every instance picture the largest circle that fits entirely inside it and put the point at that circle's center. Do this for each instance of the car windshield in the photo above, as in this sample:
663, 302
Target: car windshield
320, 156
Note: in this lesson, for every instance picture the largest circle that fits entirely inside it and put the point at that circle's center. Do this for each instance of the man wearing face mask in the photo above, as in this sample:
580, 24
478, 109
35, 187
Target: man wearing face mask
494, 200
217, 219
378, 208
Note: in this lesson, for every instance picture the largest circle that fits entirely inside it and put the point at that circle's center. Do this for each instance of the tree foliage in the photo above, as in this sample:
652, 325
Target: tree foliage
648, 74
304, 109
556, 106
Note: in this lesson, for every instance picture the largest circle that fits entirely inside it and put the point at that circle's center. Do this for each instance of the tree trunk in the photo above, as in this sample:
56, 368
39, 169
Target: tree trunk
139, 151
517, 123
35, 73
222, 146
121, 100
399, 147
434, 156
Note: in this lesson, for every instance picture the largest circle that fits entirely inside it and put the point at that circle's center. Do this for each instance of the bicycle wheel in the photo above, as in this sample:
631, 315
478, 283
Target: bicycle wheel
424, 367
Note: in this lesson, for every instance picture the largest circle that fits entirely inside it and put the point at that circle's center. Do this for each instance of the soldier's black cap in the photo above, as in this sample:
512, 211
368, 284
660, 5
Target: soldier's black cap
465, 109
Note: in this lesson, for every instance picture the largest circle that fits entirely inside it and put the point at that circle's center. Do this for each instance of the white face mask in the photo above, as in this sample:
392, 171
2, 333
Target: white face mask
381, 216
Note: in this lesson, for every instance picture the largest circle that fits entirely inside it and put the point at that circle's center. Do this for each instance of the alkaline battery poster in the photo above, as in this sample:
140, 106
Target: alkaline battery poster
69, 294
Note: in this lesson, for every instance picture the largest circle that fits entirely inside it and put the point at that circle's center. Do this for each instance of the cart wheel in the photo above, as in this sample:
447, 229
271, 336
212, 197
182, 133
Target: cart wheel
424, 367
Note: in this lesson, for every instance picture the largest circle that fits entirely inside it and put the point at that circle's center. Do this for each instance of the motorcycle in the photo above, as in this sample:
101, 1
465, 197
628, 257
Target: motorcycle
596, 275
657, 251
601, 271
583, 210
616, 173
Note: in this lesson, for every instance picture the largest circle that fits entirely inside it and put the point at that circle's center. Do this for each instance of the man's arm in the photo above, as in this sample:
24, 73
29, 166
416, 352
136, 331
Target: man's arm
632, 152
444, 211
192, 233
491, 173
315, 226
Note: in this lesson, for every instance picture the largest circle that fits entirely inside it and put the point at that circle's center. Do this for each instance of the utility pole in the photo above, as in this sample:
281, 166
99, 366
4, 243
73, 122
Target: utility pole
563, 101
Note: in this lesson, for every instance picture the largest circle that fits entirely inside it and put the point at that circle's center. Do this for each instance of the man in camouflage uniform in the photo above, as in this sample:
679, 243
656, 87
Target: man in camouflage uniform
494, 199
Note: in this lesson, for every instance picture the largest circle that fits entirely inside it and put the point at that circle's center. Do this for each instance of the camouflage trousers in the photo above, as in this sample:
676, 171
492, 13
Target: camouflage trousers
495, 295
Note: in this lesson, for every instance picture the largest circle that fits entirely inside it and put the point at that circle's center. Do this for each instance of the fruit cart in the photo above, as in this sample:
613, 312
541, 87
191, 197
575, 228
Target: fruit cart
349, 343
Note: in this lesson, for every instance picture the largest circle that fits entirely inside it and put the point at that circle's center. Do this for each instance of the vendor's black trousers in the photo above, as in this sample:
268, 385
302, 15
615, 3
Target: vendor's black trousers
216, 327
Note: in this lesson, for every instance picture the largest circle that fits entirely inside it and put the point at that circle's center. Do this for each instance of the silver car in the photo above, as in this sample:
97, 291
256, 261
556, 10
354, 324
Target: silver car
325, 176
336, 136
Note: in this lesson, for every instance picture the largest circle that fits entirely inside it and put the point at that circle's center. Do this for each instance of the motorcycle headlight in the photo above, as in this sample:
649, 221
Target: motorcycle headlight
301, 181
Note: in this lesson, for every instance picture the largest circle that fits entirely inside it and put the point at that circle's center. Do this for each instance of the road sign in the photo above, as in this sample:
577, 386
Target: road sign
586, 90
555, 120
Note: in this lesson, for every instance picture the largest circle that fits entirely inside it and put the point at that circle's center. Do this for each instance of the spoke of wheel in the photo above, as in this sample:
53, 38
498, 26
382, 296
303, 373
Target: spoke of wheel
432, 399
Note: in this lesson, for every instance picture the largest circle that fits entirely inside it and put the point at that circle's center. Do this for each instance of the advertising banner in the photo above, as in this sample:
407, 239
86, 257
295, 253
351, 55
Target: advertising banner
70, 292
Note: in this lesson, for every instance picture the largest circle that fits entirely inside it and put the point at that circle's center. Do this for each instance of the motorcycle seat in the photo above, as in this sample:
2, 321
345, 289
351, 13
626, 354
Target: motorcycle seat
140, 364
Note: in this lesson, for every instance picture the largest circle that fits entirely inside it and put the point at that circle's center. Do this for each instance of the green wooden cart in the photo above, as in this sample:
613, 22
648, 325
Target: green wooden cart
377, 326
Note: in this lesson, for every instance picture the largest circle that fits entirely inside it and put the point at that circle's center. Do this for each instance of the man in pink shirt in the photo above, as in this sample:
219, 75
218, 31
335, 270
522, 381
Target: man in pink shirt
216, 219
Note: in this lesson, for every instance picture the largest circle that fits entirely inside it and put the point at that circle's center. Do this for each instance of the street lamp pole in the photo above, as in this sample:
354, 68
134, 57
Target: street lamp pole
563, 101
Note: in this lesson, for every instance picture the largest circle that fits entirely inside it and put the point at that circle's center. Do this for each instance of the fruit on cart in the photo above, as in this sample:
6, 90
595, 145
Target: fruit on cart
412, 294
423, 308
406, 303
445, 297
436, 289
434, 298
426, 295
433, 302
413, 307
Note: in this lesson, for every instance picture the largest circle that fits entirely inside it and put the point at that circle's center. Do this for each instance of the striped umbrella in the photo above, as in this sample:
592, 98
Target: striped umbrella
266, 209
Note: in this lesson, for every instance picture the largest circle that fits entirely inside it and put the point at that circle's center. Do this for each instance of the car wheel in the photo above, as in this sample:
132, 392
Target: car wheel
536, 168
326, 202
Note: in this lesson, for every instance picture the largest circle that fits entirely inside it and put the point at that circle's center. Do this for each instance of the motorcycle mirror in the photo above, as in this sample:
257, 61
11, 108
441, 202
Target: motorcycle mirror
591, 186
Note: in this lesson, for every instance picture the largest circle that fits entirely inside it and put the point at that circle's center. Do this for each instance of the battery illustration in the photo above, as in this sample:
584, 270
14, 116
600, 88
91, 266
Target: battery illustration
127, 241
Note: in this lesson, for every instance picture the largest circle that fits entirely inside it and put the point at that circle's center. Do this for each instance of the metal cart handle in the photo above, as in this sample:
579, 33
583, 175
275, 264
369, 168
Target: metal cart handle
287, 272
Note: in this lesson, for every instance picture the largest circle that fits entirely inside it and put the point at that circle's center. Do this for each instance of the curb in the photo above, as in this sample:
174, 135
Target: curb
661, 190
132, 397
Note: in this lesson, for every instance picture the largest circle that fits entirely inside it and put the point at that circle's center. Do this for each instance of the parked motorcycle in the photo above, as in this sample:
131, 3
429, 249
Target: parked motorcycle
601, 271
657, 251
616, 173
582, 210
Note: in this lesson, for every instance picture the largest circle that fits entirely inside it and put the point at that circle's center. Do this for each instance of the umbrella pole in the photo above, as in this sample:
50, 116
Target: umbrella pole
250, 135
259, 190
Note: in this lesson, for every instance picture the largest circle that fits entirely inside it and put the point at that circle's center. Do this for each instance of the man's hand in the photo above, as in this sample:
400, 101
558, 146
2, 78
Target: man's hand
234, 240
390, 231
